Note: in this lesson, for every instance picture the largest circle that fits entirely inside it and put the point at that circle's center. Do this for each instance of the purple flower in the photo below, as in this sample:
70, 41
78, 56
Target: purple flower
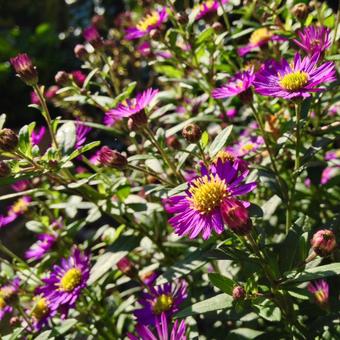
314, 39
40, 313
6, 293
150, 22
34, 98
92, 36
208, 7
20, 185
165, 298
38, 135
81, 134
65, 284
41, 247
24, 68
280, 79
320, 290
130, 107
204, 205
162, 328
17, 209
78, 77
328, 173
237, 84
246, 146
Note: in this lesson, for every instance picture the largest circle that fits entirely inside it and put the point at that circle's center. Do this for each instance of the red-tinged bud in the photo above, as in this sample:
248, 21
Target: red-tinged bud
217, 27
236, 216
192, 133
92, 36
300, 11
137, 120
5, 170
80, 52
78, 77
323, 242
111, 158
127, 267
8, 140
238, 293
173, 142
62, 78
24, 68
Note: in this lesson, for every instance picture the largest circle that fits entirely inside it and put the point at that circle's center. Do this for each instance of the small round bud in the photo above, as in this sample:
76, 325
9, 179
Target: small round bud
14, 321
238, 293
300, 11
127, 267
173, 142
192, 133
80, 52
323, 242
217, 27
152, 179
61, 78
8, 140
112, 158
25, 69
5, 170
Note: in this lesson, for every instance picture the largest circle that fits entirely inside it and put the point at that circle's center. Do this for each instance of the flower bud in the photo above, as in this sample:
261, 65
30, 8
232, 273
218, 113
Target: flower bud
182, 17
323, 242
137, 120
300, 11
217, 27
112, 158
61, 78
78, 77
92, 36
127, 267
24, 68
236, 216
80, 52
8, 140
5, 170
192, 133
173, 142
238, 293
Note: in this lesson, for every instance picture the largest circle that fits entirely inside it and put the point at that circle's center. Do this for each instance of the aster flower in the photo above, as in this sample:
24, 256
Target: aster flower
25, 69
328, 173
40, 313
20, 185
208, 7
92, 36
246, 146
236, 85
162, 328
38, 135
150, 22
17, 209
6, 293
41, 247
66, 282
130, 107
314, 39
204, 206
279, 79
78, 77
320, 290
165, 298
81, 134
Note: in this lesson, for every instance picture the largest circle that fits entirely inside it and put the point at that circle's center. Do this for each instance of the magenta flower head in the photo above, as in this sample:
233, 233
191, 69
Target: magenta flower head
40, 313
314, 39
246, 146
238, 85
323, 242
37, 135
81, 133
150, 22
20, 185
41, 247
320, 290
204, 206
17, 209
25, 69
208, 7
280, 79
66, 282
111, 158
78, 77
7, 292
162, 328
165, 298
130, 107
92, 36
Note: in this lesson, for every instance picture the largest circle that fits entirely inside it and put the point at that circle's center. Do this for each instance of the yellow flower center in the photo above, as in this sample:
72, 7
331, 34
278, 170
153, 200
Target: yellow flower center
206, 4
294, 81
224, 156
150, 20
247, 147
40, 309
7, 292
162, 304
2, 303
20, 206
260, 35
320, 296
207, 193
70, 280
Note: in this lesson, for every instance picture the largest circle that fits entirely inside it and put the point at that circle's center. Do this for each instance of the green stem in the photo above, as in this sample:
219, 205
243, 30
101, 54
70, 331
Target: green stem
204, 158
149, 172
298, 136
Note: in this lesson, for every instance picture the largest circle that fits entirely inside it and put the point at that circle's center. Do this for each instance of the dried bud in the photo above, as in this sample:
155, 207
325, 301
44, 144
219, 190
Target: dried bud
323, 242
80, 52
137, 120
62, 78
8, 140
152, 179
173, 142
24, 68
236, 216
238, 293
192, 133
182, 17
5, 170
127, 267
92, 36
112, 158
246, 96
300, 11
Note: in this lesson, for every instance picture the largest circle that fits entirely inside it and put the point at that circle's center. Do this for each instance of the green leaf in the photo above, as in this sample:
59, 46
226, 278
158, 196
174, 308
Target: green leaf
204, 139
335, 57
215, 303
220, 141
221, 282
169, 70
66, 325
25, 145
44, 336
268, 310
66, 136
82, 150
243, 333
89, 77
270, 206
204, 36
2, 120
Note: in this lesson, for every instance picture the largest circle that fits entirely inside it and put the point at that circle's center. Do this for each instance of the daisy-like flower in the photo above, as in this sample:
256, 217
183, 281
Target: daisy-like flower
162, 328
17, 209
279, 79
6, 293
165, 298
41, 247
20, 185
237, 85
246, 146
206, 203
66, 282
257, 39
92, 36
37, 135
314, 39
40, 313
150, 22
208, 7
320, 290
130, 107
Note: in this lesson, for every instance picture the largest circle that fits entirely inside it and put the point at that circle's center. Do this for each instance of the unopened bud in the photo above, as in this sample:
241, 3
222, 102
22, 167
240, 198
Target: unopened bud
112, 158
5, 170
80, 52
8, 140
217, 27
192, 133
127, 267
24, 68
92, 36
61, 78
238, 293
137, 120
300, 11
323, 242
173, 142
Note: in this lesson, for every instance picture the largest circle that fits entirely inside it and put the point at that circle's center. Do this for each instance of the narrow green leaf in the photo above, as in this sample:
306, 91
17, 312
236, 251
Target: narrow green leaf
220, 141
221, 282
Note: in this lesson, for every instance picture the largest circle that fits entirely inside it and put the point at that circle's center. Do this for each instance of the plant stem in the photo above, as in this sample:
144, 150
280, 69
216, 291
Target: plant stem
298, 137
